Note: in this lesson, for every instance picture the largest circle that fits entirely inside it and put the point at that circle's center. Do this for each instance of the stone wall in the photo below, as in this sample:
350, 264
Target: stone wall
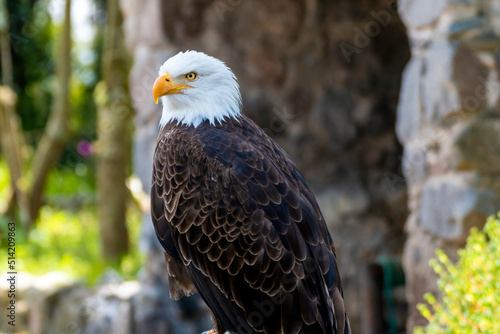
322, 78
55, 303
449, 123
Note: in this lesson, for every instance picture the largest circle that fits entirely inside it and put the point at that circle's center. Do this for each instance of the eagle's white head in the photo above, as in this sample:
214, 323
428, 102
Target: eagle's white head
195, 87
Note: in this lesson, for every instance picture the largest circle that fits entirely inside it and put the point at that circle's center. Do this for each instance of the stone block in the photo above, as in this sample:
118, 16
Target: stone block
461, 26
445, 157
418, 13
410, 107
495, 15
346, 198
419, 276
439, 92
470, 77
452, 204
414, 159
478, 144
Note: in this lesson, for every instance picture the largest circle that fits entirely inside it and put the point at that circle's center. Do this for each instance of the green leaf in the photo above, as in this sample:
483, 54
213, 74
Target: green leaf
470, 289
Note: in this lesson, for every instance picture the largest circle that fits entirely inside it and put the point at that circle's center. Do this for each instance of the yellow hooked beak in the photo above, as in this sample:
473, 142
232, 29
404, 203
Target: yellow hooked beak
165, 85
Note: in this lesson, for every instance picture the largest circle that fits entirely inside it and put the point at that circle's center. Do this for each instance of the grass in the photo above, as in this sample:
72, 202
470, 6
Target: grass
66, 236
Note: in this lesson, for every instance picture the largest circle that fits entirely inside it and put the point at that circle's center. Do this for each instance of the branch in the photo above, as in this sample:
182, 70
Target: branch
11, 143
57, 131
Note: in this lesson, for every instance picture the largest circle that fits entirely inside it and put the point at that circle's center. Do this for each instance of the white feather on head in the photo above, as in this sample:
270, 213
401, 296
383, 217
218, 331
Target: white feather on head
214, 96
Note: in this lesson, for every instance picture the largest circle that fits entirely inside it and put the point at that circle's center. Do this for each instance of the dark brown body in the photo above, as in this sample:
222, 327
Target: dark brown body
239, 223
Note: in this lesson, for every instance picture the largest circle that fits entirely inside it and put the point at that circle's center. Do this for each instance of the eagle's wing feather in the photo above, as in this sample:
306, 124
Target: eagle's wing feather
233, 207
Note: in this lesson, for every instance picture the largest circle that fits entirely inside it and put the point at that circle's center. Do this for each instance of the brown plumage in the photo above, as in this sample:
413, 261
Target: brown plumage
240, 225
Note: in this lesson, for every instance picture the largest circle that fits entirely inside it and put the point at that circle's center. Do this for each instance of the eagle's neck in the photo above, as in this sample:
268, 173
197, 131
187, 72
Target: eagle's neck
195, 109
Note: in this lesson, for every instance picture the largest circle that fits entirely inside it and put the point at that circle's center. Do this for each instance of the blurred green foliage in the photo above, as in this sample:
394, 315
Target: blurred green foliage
32, 40
470, 288
33, 36
66, 236
4, 185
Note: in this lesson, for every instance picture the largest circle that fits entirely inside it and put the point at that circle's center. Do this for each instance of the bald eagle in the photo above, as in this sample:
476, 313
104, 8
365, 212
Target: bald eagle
237, 220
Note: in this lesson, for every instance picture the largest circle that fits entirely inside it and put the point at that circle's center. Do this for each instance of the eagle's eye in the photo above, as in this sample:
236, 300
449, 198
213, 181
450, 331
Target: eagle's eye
191, 76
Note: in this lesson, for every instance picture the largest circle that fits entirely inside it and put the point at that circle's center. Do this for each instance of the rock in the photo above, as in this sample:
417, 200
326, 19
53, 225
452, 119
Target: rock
461, 26
452, 204
409, 110
418, 13
60, 312
414, 159
345, 198
470, 77
110, 310
334, 108
495, 15
151, 312
456, 22
479, 145
443, 156
155, 312
419, 276
59, 305
66, 311
485, 40
439, 95
110, 276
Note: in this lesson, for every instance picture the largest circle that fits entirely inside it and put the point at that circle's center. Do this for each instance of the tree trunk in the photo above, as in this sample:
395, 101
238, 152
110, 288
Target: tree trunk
57, 130
11, 136
114, 128
7, 77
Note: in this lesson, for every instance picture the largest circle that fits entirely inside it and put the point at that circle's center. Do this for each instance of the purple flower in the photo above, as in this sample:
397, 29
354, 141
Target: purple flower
85, 148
